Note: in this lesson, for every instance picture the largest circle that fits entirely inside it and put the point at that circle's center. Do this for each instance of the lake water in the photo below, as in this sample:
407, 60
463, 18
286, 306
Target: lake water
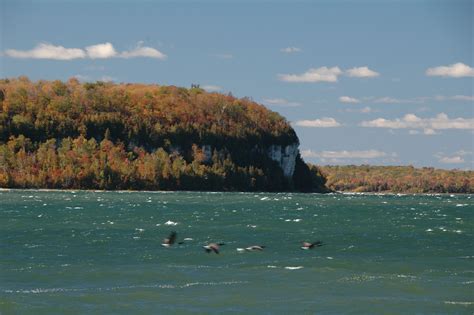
76, 252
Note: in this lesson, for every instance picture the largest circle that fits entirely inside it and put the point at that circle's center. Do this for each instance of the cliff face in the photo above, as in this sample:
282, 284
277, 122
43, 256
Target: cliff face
285, 156
169, 133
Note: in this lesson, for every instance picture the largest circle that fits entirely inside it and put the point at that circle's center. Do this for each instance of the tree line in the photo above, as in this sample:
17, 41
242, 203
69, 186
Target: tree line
406, 179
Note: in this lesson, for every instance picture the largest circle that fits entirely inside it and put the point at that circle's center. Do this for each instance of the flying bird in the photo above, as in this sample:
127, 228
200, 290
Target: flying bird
213, 247
170, 240
308, 245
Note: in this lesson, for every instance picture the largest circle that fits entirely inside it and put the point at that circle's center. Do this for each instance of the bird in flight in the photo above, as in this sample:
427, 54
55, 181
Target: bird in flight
213, 247
170, 240
308, 245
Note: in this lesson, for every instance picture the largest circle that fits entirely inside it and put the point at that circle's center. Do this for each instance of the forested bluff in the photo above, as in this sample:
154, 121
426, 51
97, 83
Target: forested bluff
73, 135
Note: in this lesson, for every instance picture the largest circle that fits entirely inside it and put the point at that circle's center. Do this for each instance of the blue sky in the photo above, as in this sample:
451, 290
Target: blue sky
363, 82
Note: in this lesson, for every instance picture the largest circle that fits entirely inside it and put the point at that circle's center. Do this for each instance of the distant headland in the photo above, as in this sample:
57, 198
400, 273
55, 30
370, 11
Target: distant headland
102, 135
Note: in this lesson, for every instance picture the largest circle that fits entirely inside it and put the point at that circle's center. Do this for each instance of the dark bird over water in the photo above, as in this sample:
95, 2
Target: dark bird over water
308, 245
170, 240
213, 247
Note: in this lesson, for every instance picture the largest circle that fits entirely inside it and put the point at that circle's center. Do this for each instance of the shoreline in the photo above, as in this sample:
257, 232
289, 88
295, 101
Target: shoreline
400, 194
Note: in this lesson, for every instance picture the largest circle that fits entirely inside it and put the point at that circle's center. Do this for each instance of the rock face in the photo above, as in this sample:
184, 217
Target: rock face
285, 156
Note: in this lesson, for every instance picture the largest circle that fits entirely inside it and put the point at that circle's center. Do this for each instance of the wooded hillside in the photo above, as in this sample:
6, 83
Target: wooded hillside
101, 135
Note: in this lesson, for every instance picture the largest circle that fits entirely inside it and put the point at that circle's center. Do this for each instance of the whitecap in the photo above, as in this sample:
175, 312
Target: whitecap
139, 230
296, 220
264, 198
188, 239
271, 266
466, 303
169, 222
329, 257
294, 268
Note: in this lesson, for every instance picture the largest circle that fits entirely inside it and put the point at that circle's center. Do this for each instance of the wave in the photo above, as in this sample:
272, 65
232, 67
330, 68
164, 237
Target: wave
465, 303
294, 267
142, 286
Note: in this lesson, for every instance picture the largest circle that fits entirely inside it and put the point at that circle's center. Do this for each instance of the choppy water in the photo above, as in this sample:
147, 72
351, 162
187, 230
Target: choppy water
65, 252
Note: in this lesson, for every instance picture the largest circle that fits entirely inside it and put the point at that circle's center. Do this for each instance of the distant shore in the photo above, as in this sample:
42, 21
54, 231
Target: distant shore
397, 179
368, 193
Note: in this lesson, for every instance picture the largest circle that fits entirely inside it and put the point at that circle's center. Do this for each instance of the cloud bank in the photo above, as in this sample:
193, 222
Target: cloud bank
428, 125
368, 154
325, 122
456, 70
348, 99
361, 72
99, 51
325, 74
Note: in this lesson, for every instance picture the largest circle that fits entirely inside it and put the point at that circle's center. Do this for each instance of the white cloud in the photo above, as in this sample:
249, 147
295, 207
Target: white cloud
361, 72
47, 51
99, 51
419, 99
289, 50
451, 160
325, 122
348, 99
429, 125
325, 74
212, 88
456, 70
322, 74
143, 51
392, 100
368, 154
280, 102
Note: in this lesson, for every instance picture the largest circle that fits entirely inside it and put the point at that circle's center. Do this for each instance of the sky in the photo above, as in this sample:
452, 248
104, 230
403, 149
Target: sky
362, 82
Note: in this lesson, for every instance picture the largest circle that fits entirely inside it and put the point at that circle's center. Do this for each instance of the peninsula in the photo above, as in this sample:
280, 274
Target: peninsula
74, 135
